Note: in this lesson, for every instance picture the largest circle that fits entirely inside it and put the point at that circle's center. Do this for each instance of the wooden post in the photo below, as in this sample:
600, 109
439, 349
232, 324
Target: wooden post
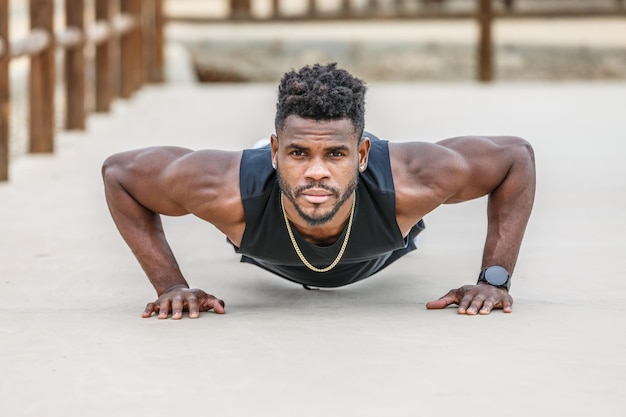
104, 60
370, 5
276, 8
157, 74
345, 6
42, 73
239, 9
485, 42
5, 104
398, 6
131, 54
126, 56
75, 68
153, 40
138, 48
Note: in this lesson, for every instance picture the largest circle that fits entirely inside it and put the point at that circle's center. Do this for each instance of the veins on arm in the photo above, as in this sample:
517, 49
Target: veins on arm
425, 176
459, 169
144, 184
504, 169
206, 184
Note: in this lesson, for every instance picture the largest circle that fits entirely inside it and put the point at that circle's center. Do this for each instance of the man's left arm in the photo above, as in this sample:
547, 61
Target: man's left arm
503, 168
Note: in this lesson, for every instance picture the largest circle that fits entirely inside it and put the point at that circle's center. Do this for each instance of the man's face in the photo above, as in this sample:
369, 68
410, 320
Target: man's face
317, 163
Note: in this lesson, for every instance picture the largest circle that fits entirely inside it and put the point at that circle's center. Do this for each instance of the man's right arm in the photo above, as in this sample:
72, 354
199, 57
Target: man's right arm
140, 186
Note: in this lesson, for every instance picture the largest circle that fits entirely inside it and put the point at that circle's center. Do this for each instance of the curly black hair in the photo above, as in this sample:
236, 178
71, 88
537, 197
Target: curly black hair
321, 92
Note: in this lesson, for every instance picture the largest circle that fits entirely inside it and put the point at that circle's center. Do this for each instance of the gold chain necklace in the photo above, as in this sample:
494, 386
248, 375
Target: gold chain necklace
297, 248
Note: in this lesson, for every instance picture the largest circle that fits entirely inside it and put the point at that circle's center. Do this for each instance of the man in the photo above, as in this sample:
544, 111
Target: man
324, 205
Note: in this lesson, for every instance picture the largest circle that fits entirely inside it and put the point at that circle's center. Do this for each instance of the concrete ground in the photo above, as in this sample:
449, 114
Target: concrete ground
71, 293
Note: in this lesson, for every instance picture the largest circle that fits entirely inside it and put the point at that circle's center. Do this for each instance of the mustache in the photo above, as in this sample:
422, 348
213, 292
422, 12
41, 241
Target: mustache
299, 190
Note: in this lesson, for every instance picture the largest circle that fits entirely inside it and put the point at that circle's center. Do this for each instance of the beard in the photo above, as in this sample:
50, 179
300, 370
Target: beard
324, 217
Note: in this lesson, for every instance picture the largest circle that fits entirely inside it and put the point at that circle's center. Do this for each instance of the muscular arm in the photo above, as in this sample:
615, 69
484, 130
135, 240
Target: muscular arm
503, 169
144, 184
461, 169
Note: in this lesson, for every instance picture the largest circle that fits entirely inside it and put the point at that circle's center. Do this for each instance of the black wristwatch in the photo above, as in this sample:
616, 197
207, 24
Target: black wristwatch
497, 276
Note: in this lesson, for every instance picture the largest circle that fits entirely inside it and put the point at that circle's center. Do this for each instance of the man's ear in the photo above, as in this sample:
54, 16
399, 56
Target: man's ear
274, 146
364, 151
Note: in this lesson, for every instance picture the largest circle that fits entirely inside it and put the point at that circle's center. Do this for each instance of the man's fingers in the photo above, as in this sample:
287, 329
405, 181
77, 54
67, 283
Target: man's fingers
218, 306
475, 299
487, 307
475, 306
440, 303
177, 308
507, 304
192, 306
193, 301
465, 304
450, 298
148, 311
164, 309
180, 300
209, 302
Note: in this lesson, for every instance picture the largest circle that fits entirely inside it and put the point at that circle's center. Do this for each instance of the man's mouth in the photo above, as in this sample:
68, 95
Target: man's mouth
317, 196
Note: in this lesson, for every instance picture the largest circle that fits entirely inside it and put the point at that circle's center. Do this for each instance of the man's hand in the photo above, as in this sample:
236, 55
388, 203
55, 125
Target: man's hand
475, 299
178, 299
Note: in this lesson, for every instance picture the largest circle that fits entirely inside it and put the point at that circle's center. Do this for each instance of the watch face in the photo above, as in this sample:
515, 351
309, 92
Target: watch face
496, 275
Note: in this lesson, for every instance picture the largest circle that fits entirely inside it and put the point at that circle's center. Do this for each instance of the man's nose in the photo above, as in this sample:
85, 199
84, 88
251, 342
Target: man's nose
317, 170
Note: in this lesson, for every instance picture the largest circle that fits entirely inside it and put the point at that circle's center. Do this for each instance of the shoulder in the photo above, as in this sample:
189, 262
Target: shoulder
174, 181
203, 166
487, 147
168, 166
204, 181
425, 175
167, 160
452, 162
455, 169
427, 167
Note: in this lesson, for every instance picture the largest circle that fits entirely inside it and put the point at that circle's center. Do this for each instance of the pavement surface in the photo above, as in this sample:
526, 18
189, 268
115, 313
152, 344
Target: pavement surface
71, 293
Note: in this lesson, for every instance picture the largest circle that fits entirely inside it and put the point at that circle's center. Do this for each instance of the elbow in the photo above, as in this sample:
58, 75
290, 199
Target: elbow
523, 150
106, 166
528, 147
524, 162
527, 151
111, 167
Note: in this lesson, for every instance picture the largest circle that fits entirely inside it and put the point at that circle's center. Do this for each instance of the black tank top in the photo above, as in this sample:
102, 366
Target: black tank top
375, 240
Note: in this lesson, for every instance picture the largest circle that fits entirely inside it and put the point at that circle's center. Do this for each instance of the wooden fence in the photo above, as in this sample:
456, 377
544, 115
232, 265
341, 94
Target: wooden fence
483, 11
128, 39
396, 9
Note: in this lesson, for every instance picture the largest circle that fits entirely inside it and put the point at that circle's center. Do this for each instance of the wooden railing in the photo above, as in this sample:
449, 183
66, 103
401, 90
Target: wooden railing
128, 40
373, 9
484, 12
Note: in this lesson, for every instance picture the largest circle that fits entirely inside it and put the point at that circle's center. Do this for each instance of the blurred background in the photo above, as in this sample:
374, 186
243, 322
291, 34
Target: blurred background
422, 41
403, 40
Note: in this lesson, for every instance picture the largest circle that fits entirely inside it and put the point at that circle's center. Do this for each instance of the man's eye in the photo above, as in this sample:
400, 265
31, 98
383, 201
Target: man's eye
297, 153
336, 154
